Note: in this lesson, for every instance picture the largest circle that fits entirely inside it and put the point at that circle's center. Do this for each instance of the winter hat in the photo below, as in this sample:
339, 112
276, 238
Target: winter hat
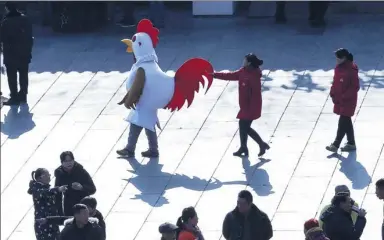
167, 228
341, 189
311, 223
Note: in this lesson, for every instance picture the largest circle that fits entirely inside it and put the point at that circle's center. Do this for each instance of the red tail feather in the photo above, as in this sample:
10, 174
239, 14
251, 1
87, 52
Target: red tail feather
187, 81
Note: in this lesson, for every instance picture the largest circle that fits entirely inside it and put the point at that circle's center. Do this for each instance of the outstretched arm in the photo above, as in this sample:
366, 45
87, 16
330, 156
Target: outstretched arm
230, 76
134, 93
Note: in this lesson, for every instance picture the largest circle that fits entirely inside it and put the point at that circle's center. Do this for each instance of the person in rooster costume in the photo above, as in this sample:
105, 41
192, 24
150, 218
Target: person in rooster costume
150, 89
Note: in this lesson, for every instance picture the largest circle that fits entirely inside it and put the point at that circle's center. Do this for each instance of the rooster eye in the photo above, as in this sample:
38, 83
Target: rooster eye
139, 43
133, 38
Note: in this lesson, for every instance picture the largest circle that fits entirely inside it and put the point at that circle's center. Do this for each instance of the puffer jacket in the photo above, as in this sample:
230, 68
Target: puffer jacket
44, 199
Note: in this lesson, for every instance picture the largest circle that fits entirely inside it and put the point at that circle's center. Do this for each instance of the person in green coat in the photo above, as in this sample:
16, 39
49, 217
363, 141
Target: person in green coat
342, 189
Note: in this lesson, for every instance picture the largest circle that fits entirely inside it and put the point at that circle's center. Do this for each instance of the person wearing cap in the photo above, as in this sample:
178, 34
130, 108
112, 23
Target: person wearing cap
168, 231
343, 93
16, 37
340, 189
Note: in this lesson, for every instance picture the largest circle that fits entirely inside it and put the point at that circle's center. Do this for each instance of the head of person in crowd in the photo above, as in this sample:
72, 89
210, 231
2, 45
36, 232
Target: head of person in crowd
81, 214
343, 201
67, 160
91, 204
380, 189
188, 218
343, 55
244, 201
168, 231
342, 189
313, 231
41, 175
252, 61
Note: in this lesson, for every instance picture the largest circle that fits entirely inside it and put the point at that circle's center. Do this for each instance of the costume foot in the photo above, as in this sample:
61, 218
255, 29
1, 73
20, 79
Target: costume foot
242, 152
12, 102
348, 148
150, 154
263, 148
332, 148
125, 153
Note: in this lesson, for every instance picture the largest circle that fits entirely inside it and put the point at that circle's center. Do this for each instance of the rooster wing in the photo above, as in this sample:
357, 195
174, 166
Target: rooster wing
187, 81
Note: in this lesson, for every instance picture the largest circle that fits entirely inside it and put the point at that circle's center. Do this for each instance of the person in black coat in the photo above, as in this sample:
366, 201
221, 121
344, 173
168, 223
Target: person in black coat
81, 227
78, 180
16, 37
44, 198
247, 221
91, 204
337, 221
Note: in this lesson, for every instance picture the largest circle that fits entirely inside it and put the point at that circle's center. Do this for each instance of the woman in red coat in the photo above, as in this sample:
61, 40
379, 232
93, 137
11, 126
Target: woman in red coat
344, 96
250, 101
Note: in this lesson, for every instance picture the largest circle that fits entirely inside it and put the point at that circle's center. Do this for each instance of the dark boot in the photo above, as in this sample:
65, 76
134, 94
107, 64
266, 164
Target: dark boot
263, 148
125, 153
22, 97
242, 152
13, 101
150, 154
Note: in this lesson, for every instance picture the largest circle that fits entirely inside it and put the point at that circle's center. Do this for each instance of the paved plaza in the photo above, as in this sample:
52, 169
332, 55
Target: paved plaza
76, 81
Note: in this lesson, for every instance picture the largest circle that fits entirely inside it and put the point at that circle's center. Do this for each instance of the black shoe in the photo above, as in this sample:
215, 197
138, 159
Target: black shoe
125, 153
12, 102
22, 98
242, 152
263, 148
127, 22
150, 154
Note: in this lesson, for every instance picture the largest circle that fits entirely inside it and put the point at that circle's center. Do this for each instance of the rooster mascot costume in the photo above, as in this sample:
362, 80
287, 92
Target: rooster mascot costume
150, 89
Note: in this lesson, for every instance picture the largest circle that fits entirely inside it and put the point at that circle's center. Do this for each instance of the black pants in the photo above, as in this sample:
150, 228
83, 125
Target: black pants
12, 71
345, 127
245, 130
382, 231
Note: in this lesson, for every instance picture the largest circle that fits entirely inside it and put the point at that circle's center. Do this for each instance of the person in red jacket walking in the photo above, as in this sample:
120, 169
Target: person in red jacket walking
250, 101
344, 96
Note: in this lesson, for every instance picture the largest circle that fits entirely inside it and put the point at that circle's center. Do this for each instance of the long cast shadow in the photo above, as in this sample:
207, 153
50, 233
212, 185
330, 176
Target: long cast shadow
153, 170
353, 170
17, 121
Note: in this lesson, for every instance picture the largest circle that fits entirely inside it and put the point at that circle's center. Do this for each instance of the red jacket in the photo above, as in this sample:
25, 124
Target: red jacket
250, 100
344, 89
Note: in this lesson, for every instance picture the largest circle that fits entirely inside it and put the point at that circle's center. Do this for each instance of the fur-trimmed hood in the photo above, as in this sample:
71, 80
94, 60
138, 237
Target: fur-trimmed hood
90, 220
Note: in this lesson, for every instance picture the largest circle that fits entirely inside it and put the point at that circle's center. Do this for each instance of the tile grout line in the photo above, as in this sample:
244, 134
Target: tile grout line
373, 172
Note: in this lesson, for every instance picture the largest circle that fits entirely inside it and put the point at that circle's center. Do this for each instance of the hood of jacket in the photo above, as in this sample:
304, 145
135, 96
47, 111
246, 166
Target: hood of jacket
331, 211
34, 186
315, 233
91, 220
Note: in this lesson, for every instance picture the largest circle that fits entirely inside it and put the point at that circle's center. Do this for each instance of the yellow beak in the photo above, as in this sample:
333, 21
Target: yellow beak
128, 42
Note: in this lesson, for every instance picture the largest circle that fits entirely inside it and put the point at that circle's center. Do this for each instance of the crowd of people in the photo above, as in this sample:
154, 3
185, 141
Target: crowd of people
70, 202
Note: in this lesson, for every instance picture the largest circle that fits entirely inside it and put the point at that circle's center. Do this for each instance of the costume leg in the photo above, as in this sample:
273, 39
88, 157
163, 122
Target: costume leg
133, 136
152, 140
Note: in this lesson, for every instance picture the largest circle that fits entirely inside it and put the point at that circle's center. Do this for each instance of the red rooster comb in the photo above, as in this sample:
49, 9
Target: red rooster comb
146, 26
